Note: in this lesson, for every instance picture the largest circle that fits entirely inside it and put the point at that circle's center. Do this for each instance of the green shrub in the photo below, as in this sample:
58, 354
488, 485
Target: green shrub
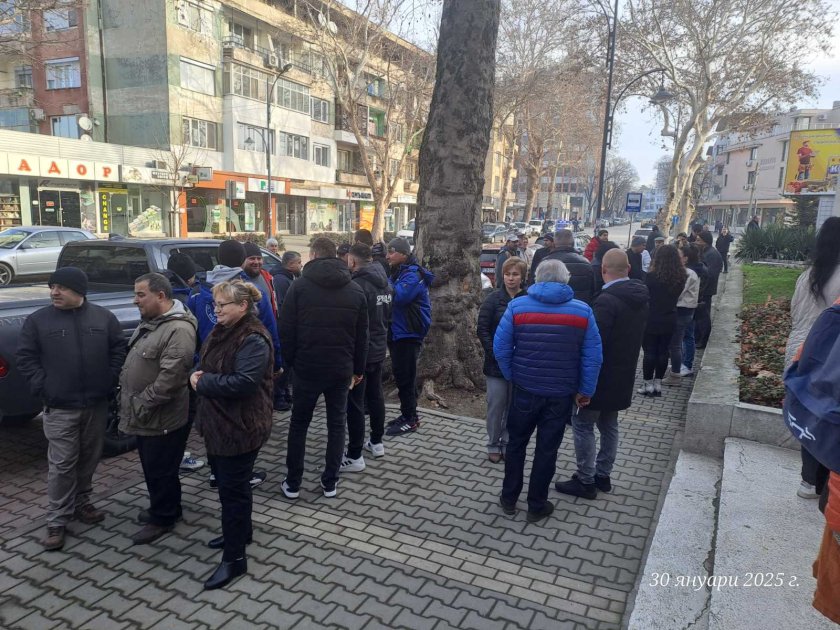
776, 242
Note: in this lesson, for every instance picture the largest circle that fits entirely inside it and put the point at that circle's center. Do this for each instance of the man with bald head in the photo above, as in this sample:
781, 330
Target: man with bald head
621, 311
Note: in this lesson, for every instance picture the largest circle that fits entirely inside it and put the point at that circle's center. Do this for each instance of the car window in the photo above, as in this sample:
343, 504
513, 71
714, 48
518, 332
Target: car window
10, 238
204, 256
107, 265
69, 237
42, 240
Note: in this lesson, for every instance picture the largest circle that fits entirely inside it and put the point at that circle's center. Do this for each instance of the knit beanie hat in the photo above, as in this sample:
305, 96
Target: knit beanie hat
231, 253
251, 249
706, 237
182, 265
401, 246
71, 277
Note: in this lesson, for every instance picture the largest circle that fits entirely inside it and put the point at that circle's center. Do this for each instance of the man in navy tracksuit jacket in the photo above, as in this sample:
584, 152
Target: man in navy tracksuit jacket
548, 345
411, 317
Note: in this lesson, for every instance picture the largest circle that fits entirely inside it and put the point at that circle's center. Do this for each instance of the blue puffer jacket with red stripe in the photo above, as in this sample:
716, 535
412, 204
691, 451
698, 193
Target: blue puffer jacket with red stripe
548, 343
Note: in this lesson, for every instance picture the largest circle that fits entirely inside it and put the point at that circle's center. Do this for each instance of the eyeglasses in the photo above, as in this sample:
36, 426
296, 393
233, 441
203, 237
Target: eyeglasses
218, 306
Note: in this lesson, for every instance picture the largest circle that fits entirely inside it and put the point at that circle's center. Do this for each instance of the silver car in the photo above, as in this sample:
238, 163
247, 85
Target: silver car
33, 250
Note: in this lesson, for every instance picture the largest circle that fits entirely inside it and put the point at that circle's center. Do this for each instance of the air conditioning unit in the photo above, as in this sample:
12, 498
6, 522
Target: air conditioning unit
37, 114
272, 60
747, 186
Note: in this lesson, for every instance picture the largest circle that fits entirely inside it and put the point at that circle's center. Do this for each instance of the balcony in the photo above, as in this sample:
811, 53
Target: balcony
238, 49
409, 187
351, 179
17, 97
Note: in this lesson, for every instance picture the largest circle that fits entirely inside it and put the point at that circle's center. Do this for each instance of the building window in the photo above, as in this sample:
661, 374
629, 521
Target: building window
195, 17
293, 96
376, 86
720, 169
198, 77
251, 138
242, 34
397, 132
345, 161
322, 154
318, 65
376, 123
199, 133
245, 82
23, 77
751, 178
781, 177
410, 171
728, 155
63, 73
64, 126
803, 122
753, 153
725, 180
294, 146
784, 150
60, 19
393, 168
320, 110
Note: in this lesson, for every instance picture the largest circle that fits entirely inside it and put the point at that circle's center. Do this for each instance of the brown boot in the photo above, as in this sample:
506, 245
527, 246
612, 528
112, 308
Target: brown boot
54, 540
150, 533
88, 514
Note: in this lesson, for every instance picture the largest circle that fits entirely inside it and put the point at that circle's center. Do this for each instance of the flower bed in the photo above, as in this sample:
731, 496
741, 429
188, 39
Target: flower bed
764, 332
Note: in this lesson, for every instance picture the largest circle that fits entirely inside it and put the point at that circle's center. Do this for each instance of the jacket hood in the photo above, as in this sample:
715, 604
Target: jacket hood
373, 273
551, 292
327, 272
178, 311
412, 265
632, 292
221, 273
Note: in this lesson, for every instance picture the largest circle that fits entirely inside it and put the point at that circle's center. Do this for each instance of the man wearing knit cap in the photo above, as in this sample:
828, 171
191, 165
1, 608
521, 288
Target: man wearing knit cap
182, 276
71, 353
714, 264
256, 274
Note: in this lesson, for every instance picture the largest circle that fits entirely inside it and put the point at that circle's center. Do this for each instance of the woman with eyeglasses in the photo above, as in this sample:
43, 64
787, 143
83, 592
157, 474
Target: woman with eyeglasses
233, 382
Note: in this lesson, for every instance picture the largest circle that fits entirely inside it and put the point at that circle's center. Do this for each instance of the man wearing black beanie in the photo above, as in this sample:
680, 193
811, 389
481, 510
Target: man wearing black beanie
74, 373
714, 264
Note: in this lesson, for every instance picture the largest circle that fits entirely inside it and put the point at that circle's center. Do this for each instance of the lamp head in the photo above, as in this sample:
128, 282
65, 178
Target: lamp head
285, 68
662, 96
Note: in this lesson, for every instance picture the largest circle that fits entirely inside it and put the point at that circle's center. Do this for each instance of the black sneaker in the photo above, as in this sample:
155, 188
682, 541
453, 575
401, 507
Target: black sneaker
576, 488
507, 508
257, 477
401, 428
602, 482
398, 420
534, 517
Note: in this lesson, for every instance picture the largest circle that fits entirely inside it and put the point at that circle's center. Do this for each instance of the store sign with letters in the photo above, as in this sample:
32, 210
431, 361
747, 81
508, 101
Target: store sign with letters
55, 168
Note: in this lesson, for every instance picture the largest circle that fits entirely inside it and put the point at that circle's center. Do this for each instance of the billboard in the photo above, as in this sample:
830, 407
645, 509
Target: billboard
813, 162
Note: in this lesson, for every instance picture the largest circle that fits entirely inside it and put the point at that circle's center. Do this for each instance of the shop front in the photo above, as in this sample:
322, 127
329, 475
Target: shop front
209, 209
404, 209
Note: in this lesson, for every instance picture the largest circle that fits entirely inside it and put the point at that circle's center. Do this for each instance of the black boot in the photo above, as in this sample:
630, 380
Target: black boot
219, 542
225, 573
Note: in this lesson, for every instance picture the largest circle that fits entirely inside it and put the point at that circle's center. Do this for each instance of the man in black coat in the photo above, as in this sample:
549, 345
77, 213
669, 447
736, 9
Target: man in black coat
714, 264
621, 311
324, 339
651, 241
289, 271
370, 276
510, 249
540, 254
582, 278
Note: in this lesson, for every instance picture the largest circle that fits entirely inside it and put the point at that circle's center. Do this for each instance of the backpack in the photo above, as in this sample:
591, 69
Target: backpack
812, 391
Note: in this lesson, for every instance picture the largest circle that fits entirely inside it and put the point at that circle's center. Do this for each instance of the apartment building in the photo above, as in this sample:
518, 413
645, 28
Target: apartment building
756, 172
495, 166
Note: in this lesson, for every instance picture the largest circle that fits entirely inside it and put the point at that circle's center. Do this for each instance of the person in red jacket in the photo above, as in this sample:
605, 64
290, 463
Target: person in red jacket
595, 243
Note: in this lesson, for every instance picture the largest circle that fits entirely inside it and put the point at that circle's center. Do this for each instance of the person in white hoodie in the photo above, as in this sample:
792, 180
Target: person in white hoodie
816, 289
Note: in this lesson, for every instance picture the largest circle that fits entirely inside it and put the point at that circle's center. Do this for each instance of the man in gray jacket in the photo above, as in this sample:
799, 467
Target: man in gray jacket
154, 398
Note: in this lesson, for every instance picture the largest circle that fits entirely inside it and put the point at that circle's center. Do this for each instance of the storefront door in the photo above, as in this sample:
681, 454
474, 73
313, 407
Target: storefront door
59, 207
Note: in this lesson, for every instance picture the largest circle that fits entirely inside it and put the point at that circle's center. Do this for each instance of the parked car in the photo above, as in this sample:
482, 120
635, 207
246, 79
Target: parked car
407, 230
487, 263
520, 225
602, 223
645, 231
33, 250
493, 232
581, 241
536, 226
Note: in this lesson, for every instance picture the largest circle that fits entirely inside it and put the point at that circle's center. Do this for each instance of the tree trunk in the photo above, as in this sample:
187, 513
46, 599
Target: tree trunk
533, 188
451, 185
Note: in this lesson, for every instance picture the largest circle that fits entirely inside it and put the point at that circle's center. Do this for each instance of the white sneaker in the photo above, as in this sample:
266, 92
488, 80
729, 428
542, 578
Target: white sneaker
349, 465
378, 450
191, 463
807, 491
329, 492
646, 388
657, 387
686, 371
288, 492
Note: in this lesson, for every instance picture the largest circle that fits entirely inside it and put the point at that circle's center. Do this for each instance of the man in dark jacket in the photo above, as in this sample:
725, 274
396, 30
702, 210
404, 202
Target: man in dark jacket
651, 241
290, 267
540, 254
509, 250
411, 317
582, 278
714, 264
621, 311
71, 353
324, 339
638, 257
373, 281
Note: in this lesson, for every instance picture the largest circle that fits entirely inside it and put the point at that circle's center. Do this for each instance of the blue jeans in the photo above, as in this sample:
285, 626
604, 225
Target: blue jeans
583, 425
688, 345
548, 416
685, 316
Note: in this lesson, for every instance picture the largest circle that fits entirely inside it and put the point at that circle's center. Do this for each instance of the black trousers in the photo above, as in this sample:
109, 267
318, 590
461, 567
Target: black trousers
305, 396
656, 348
160, 456
404, 356
813, 472
368, 391
703, 320
233, 474
281, 389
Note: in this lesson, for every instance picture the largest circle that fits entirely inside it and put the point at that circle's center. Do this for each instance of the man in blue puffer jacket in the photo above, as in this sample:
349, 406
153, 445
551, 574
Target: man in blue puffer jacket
549, 346
411, 317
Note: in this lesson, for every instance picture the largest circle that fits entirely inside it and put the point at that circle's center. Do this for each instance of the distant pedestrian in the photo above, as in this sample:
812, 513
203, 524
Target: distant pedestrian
651, 240
686, 305
714, 263
638, 257
71, 353
498, 388
665, 282
411, 318
508, 250
696, 228
324, 333
690, 255
542, 252
290, 266
597, 261
582, 278
368, 394
594, 243
621, 311
547, 344
154, 398
722, 243
753, 224
272, 245
233, 382
524, 251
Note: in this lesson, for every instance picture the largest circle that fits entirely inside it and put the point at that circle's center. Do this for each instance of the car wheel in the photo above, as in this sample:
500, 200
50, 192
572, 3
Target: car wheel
116, 442
6, 275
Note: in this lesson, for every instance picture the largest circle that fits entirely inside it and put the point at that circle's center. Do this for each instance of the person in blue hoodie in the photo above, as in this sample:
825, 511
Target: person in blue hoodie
411, 317
549, 347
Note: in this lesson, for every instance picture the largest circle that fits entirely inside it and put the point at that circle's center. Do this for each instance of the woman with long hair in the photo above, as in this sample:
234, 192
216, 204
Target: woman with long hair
665, 282
499, 390
234, 386
817, 288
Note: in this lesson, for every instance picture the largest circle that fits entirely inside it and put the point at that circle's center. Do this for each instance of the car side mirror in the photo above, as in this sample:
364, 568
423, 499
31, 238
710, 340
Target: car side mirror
24, 245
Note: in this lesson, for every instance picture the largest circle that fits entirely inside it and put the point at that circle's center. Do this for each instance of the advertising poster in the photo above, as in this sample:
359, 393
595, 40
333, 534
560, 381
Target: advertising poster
366, 211
322, 215
250, 217
813, 162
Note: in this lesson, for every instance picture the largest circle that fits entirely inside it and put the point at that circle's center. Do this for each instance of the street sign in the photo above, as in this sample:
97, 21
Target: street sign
634, 202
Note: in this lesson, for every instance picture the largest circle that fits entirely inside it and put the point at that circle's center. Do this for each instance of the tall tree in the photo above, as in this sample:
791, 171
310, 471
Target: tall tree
451, 184
620, 178
725, 61
27, 24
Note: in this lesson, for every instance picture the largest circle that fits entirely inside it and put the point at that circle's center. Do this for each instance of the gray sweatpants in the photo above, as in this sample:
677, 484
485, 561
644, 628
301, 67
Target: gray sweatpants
75, 439
498, 399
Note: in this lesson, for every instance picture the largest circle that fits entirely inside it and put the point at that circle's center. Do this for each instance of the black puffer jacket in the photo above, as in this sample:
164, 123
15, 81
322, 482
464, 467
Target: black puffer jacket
489, 316
282, 281
324, 323
378, 292
71, 358
621, 311
582, 278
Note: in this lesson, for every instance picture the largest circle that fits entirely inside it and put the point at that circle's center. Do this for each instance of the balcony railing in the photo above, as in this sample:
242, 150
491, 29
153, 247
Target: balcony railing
298, 59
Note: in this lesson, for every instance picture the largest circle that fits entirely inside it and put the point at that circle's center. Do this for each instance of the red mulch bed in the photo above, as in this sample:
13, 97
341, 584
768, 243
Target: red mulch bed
764, 332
